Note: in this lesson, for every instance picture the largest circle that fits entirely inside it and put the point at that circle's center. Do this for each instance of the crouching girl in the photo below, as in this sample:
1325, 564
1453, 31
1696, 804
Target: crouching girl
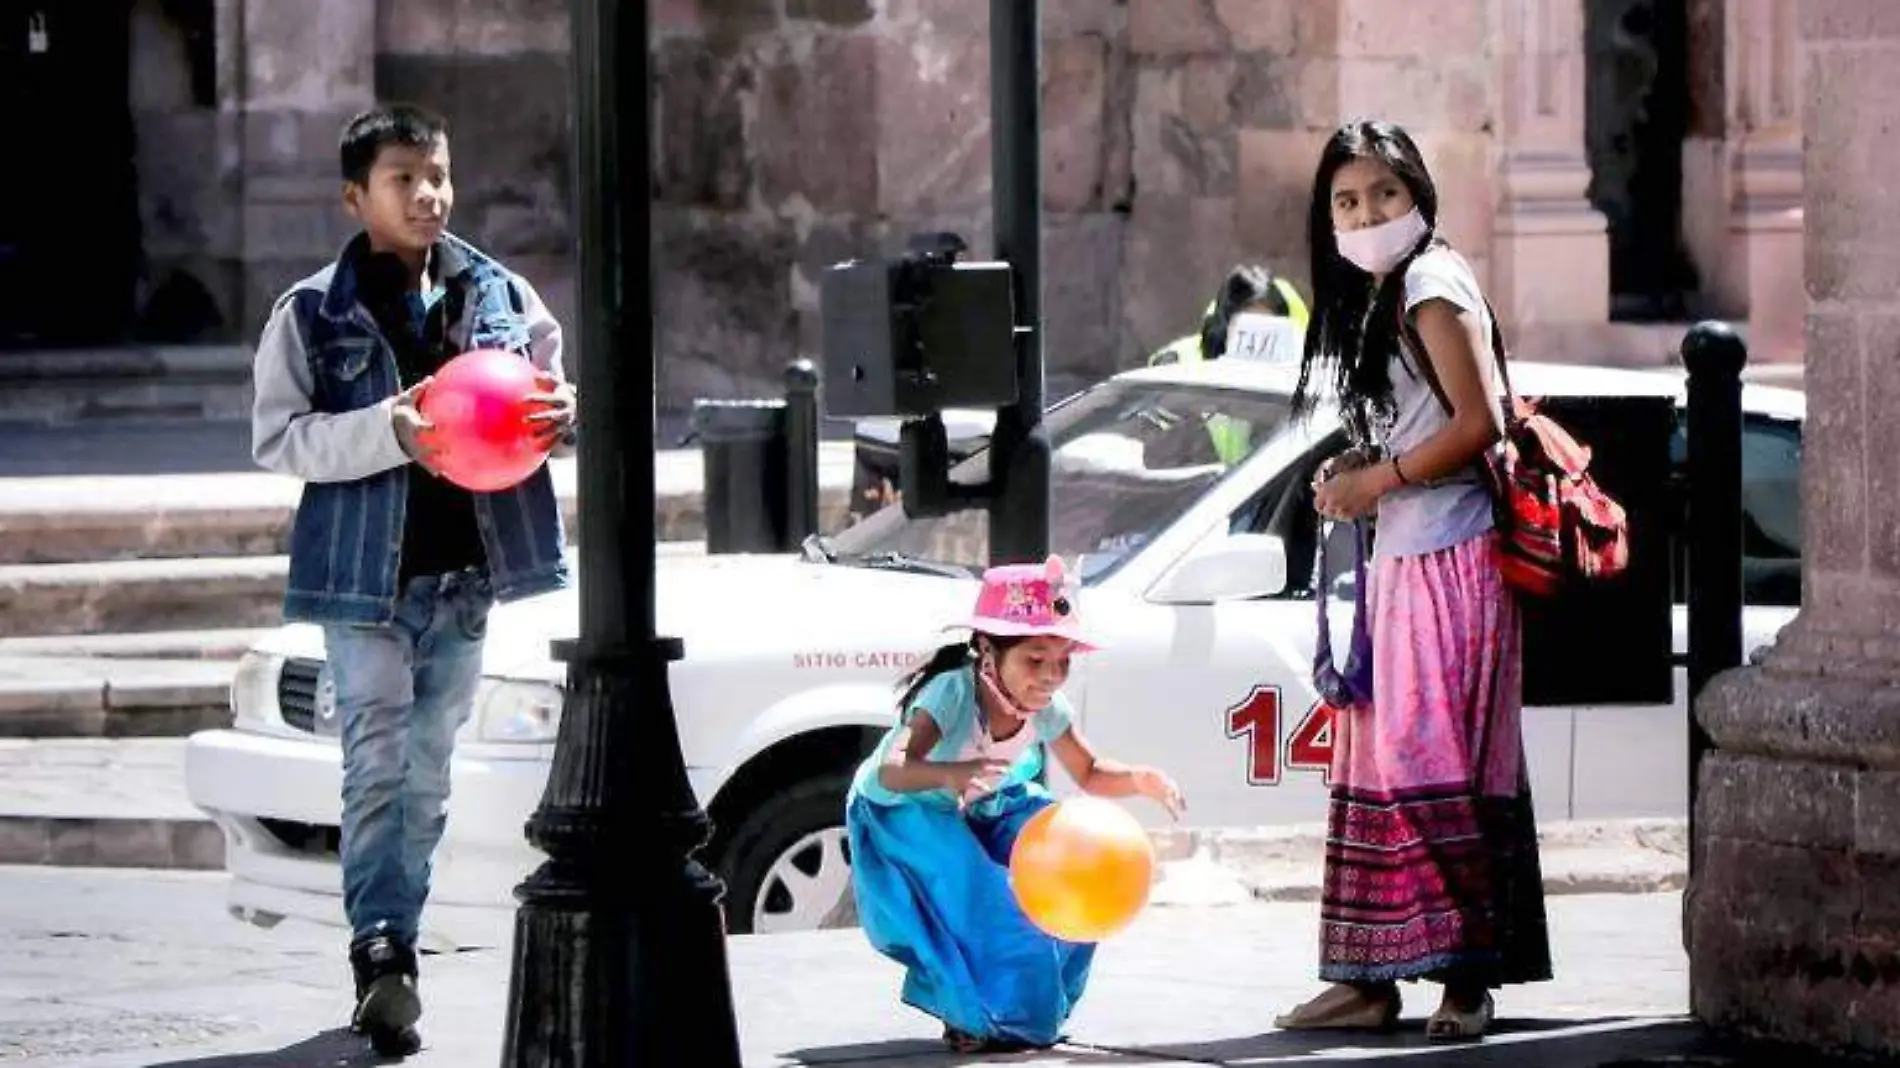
933, 812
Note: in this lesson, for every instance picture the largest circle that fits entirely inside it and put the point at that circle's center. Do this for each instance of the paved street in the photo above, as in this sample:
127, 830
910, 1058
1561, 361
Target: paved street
124, 968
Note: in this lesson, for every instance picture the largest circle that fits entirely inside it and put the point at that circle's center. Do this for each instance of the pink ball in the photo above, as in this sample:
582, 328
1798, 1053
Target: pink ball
478, 405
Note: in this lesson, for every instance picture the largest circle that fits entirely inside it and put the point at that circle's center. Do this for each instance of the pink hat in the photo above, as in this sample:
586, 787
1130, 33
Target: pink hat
1029, 600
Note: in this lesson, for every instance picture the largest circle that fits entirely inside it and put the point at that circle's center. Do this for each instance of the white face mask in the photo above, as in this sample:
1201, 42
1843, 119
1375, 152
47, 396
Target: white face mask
1264, 337
1378, 249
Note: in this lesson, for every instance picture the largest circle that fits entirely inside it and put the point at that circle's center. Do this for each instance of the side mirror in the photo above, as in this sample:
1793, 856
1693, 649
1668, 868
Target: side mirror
1236, 567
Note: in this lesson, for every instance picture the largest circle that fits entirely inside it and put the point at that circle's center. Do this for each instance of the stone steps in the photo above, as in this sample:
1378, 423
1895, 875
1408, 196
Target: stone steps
224, 644
127, 603
127, 596
111, 803
85, 697
64, 386
125, 599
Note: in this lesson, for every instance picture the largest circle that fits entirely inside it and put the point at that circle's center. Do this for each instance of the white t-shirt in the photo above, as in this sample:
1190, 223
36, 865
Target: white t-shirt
1425, 517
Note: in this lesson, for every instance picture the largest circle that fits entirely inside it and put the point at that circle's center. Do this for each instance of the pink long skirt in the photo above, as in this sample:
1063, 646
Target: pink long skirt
1431, 859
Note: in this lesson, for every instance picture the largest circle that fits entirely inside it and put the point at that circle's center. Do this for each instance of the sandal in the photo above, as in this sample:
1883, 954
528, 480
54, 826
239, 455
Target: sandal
962, 1041
965, 1042
1450, 1025
1364, 1012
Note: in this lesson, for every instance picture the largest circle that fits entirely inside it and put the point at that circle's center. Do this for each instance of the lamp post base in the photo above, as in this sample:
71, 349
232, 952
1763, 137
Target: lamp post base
620, 954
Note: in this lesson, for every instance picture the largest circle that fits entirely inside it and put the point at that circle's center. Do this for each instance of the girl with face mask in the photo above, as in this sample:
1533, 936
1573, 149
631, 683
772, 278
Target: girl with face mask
1432, 869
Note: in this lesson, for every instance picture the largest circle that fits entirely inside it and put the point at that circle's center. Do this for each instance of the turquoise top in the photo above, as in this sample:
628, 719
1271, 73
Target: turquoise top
950, 700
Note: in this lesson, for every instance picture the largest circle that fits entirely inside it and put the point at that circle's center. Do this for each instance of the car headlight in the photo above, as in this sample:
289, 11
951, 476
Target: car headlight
512, 710
254, 689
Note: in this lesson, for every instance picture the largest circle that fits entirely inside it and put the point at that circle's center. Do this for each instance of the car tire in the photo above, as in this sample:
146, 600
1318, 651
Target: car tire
788, 865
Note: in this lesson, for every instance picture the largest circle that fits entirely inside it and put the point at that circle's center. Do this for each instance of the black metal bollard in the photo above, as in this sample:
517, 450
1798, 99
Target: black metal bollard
760, 463
742, 455
1715, 357
801, 453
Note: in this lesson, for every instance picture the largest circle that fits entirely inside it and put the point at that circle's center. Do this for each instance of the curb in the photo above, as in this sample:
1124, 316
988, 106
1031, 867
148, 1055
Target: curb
1197, 880
88, 842
109, 700
1285, 864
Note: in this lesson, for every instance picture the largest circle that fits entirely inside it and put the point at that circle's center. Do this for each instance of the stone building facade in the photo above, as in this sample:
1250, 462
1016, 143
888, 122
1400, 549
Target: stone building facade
1180, 138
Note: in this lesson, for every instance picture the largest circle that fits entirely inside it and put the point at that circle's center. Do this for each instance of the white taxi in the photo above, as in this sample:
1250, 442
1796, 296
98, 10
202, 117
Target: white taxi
1205, 617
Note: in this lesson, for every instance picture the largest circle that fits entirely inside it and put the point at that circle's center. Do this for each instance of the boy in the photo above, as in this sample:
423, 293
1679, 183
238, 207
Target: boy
398, 565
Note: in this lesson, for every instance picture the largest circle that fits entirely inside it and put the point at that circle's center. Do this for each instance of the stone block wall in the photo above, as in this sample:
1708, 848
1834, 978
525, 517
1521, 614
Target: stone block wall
1179, 137
497, 70
792, 136
192, 273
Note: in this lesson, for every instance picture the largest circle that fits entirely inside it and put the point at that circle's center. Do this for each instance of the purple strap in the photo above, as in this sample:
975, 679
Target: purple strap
1351, 688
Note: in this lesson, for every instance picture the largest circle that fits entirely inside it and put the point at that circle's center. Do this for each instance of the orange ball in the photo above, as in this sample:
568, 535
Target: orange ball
1082, 868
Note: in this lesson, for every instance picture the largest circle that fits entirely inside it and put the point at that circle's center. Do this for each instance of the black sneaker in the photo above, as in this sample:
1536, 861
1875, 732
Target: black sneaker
387, 1004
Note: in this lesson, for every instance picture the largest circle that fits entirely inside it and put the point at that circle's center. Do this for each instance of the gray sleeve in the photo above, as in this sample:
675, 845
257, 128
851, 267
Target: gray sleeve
545, 348
289, 438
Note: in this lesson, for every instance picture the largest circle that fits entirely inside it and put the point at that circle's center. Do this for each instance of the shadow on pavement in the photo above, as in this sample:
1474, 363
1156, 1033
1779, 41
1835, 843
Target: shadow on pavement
1510, 1043
336, 1048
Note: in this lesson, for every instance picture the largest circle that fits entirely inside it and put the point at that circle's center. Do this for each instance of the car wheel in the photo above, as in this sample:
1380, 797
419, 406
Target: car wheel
789, 865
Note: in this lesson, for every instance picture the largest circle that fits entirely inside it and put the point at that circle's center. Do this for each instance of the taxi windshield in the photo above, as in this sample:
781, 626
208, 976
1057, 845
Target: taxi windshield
1129, 457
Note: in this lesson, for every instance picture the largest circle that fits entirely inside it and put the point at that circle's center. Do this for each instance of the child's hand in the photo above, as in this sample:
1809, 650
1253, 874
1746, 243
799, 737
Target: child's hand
1159, 788
1339, 464
970, 779
1352, 494
558, 411
413, 432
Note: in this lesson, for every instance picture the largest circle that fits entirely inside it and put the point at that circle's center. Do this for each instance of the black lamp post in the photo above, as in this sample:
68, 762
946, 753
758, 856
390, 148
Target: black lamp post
1019, 446
620, 956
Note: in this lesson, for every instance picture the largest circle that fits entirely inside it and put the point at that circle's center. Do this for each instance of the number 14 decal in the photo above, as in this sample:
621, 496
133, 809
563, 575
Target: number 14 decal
1308, 747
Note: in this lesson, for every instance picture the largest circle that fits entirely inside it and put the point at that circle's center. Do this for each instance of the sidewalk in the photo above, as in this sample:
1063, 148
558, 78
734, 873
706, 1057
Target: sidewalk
1183, 986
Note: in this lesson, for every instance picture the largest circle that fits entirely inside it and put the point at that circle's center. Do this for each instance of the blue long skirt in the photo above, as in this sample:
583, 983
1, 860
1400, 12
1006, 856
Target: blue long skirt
933, 894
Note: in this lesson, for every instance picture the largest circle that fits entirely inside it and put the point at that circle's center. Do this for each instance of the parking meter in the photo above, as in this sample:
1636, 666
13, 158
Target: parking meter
911, 337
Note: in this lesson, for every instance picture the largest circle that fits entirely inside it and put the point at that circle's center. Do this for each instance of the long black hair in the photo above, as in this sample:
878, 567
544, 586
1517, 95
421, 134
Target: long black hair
948, 658
1356, 347
1246, 285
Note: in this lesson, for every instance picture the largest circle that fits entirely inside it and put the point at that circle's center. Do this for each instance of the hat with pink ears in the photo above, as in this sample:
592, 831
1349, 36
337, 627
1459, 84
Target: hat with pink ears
1027, 601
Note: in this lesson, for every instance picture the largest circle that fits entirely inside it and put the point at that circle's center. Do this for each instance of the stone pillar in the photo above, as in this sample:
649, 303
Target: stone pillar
1741, 174
1551, 250
296, 71
1493, 93
1794, 918
1285, 74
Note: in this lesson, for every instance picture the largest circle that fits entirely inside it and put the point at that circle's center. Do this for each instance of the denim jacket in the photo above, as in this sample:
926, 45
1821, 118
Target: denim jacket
326, 378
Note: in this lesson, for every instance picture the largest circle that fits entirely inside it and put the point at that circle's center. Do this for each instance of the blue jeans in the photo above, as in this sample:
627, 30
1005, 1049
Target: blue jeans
402, 691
